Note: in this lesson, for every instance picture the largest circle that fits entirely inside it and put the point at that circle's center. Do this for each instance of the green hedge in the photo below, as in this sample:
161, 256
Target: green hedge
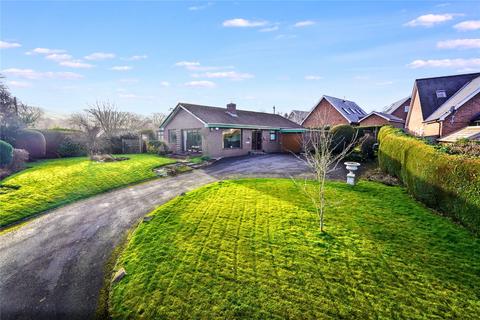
448, 183
6, 153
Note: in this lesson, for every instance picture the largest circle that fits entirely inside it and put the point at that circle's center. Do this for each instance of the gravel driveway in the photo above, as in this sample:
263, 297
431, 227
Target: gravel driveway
52, 267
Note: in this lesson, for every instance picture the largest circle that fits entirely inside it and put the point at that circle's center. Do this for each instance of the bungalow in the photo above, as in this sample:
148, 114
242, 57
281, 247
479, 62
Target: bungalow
443, 105
399, 108
376, 118
331, 111
297, 116
227, 132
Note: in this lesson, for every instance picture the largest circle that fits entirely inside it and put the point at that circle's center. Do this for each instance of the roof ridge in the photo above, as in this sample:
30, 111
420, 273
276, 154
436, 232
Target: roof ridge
222, 108
450, 76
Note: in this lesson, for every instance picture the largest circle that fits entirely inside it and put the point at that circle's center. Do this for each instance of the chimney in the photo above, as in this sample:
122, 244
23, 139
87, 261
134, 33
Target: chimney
273, 109
232, 108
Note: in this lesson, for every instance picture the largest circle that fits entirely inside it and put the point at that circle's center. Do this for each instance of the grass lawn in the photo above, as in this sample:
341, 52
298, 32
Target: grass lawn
51, 183
251, 249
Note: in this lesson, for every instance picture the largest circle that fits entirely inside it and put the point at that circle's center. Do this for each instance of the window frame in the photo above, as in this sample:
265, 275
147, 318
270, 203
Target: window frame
223, 139
274, 132
170, 139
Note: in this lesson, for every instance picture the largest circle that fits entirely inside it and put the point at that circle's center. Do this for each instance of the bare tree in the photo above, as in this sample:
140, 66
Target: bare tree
323, 152
106, 115
157, 119
88, 124
29, 115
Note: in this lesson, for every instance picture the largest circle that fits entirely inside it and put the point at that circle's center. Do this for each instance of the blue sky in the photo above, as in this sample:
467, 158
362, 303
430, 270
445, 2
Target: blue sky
146, 56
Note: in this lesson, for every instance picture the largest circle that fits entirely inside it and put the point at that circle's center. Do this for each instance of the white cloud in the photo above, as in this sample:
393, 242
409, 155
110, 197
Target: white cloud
429, 20
468, 25
243, 23
128, 95
445, 63
312, 77
45, 51
201, 84
165, 84
232, 75
305, 23
285, 36
100, 56
201, 7
8, 45
75, 64
384, 83
58, 57
136, 58
36, 75
18, 84
459, 44
195, 66
121, 68
269, 29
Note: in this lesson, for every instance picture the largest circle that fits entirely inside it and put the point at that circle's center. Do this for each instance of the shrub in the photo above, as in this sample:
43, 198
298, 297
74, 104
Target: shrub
149, 133
33, 141
343, 135
157, 147
71, 148
53, 140
368, 147
6, 153
448, 183
463, 147
20, 156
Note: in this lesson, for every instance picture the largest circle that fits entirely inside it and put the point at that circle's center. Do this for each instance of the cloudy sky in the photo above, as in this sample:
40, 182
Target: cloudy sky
147, 56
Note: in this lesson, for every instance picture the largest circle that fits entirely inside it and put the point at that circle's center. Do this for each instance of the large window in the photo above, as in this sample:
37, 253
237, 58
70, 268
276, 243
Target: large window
192, 140
273, 135
172, 136
232, 139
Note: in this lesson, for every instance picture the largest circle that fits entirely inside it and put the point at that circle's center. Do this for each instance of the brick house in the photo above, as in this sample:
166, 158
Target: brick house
443, 105
377, 118
226, 132
399, 108
331, 111
297, 116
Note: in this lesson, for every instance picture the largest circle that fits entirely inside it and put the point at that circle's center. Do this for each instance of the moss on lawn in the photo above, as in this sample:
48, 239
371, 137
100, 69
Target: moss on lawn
51, 183
251, 249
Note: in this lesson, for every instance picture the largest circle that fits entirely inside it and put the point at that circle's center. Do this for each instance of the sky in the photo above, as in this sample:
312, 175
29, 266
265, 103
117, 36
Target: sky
146, 56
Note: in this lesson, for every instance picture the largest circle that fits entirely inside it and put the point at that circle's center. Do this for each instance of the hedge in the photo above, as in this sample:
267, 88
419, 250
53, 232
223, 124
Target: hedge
6, 153
447, 183
33, 141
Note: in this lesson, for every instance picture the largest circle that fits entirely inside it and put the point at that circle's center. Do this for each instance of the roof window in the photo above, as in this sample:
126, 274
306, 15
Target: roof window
441, 94
346, 111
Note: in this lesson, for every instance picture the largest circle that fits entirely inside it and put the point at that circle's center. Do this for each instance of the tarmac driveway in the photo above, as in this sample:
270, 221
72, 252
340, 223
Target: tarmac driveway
53, 266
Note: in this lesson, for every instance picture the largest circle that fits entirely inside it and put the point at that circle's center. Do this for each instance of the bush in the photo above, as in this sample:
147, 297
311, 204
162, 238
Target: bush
71, 148
448, 183
343, 135
463, 147
20, 156
53, 140
368, 147
157, 147
6, 153
33, 141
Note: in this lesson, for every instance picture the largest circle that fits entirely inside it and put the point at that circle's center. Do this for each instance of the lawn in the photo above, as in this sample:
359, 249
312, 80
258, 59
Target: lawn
251, 249
51, 183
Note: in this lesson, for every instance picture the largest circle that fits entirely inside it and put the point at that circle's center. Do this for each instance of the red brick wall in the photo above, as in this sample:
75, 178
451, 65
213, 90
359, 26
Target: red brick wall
400, 112
375, 120
324, 114
462, 117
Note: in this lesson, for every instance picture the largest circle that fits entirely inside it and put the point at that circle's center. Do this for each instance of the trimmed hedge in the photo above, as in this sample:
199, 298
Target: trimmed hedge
448, 183
6, 153
33, 141
343, 135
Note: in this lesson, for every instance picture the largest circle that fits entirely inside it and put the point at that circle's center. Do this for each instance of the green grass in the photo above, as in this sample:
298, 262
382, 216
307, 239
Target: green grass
51, 183
251, 249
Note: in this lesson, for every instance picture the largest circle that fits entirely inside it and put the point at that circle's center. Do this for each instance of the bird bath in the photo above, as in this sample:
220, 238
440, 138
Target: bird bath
351, 167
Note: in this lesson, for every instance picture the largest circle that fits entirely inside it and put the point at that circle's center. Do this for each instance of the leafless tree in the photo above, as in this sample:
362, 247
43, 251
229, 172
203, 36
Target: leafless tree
107, 116
88, 124
322, 153
29, 115
157, 119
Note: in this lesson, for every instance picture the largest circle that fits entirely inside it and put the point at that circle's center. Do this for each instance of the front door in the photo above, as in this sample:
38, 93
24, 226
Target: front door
257, 140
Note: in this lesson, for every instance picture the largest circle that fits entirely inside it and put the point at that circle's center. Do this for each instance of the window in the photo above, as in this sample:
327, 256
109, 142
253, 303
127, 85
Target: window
407, 107
441, 94
192, 140
273, 135
232, 139
172, 136
346, 111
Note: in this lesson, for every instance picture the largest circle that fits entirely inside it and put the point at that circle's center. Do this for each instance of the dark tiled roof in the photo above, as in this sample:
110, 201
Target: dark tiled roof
468, 91
298, 116
397, 104
348, 109
384, 115
428, 87
215, 115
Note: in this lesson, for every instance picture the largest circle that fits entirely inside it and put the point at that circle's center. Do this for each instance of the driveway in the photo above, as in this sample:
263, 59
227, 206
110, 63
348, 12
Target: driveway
53, 266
